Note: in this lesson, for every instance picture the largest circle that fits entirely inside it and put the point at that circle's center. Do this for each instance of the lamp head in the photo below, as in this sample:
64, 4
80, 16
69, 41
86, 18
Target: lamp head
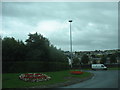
70, 20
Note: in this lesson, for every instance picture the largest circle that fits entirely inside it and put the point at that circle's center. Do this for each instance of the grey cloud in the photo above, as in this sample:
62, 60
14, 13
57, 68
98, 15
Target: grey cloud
103, 16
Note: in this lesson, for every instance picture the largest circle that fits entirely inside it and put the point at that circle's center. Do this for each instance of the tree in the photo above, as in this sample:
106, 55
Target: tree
76, 61
85, 59
94, 62
12, 50
113, 58
118, 54
57, 55
38, 47
103, 59
93, 56
7, 48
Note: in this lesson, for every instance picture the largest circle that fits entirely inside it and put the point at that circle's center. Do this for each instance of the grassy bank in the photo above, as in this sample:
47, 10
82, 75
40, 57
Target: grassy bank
115, 68
11, 80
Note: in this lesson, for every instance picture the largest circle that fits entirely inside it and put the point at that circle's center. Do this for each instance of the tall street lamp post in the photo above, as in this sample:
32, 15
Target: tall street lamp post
71, 43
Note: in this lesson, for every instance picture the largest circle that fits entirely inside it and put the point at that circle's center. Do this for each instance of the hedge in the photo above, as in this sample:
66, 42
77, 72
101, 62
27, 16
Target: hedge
30, 66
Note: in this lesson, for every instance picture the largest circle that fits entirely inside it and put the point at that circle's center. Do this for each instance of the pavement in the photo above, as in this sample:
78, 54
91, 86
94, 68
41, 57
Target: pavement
101, 79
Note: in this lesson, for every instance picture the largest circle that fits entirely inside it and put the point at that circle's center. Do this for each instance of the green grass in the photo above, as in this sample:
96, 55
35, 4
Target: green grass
11, 80
87, 69
115, 68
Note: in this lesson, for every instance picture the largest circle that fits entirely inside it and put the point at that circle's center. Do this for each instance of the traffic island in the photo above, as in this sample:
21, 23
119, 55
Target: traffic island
70, 81
33, 80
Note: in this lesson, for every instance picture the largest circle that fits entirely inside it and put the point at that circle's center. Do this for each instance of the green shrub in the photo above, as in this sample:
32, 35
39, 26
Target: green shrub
33, 66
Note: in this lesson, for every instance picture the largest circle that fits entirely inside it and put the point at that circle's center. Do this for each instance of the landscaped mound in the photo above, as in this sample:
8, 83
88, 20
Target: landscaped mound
34, 77
76, 72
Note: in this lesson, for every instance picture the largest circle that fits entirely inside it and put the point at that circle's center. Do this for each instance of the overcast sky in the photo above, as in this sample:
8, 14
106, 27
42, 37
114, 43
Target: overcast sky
94, 26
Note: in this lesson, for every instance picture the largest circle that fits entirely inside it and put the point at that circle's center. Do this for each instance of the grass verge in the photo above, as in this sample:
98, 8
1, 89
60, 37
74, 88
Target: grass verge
115, 68
11, 80
112, 68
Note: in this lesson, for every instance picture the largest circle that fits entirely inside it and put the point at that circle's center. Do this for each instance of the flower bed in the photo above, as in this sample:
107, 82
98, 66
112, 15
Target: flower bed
76, 72
34, 77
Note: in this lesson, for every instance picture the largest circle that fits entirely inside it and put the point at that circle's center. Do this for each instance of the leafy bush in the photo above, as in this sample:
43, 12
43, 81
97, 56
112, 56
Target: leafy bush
36, 66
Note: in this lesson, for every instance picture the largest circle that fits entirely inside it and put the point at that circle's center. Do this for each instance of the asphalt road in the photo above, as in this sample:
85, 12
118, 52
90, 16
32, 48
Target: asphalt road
101, 79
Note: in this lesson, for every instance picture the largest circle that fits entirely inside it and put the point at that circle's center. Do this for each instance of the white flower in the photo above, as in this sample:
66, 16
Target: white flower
35, 77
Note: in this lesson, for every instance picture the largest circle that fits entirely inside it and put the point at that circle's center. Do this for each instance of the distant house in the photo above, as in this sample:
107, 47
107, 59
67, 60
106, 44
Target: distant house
118, 59
95, 55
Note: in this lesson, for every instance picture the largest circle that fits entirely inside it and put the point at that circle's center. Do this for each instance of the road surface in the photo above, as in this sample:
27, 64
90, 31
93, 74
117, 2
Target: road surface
101, 79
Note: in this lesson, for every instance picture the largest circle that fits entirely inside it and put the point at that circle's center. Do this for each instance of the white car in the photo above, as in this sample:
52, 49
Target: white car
99, 67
